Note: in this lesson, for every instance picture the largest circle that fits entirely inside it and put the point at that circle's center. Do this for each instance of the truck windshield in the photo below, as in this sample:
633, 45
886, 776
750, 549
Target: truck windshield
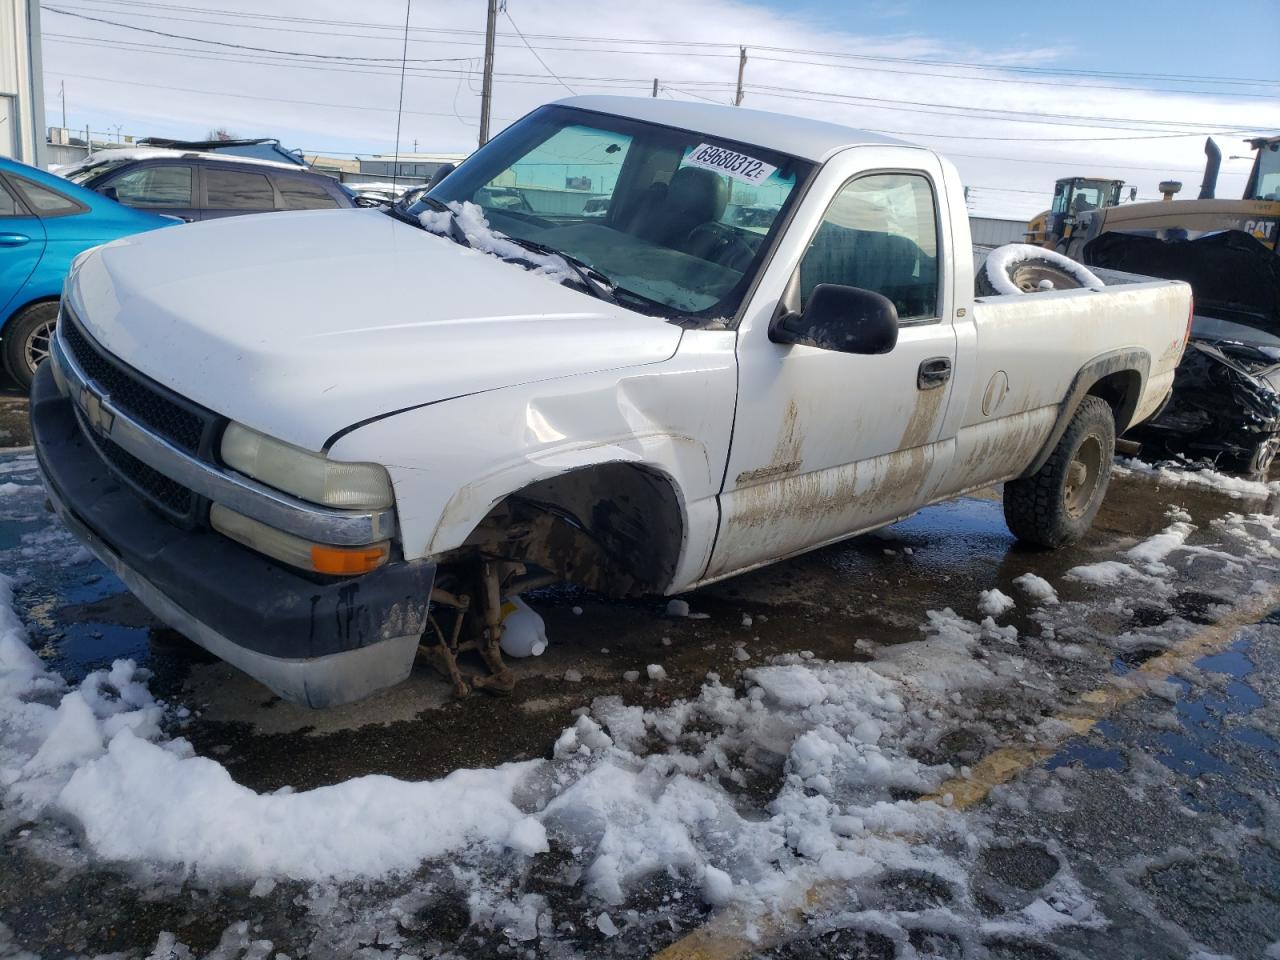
677, 222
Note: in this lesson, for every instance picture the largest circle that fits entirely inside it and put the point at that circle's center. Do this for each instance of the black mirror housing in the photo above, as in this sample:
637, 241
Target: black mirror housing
111, 193
846, 319
441, 172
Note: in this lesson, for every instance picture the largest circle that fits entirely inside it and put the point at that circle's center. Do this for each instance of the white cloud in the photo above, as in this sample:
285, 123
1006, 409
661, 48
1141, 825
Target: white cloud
352, 107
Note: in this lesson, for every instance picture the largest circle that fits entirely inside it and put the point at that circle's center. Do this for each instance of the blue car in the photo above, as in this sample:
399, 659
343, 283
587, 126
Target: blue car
45, 222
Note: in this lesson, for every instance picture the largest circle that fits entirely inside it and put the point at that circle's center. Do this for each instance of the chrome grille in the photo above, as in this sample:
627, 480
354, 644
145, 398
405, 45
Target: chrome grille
181, 423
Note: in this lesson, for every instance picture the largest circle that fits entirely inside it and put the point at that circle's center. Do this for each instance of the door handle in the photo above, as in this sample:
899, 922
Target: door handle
13, 239
933, 373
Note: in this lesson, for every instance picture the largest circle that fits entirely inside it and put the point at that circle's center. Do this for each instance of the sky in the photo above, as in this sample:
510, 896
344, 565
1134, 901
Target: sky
1017, 94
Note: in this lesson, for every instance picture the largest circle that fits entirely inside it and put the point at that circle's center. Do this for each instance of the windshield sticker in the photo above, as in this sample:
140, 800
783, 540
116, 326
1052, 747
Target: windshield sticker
738, 166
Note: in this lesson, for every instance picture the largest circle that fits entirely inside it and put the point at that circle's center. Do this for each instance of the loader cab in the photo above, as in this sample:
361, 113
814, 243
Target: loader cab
1264, 178
1072, 197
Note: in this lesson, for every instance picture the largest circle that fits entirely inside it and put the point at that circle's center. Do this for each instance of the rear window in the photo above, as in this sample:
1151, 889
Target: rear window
233, 190
298, 194
45, 202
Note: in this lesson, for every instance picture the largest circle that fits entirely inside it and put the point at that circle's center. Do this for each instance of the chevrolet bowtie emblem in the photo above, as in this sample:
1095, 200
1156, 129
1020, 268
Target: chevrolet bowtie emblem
98, 417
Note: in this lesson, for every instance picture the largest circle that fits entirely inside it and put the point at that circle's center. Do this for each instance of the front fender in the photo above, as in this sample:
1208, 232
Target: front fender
451, 462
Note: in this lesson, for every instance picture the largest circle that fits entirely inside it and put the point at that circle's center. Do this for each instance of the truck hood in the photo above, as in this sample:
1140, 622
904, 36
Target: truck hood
301, 324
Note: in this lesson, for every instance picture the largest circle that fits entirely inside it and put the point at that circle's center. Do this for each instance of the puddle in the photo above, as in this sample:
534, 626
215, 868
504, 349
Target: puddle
1091, 755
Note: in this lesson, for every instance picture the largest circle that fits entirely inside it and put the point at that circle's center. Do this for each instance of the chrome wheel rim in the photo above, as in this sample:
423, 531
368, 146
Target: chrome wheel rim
38, 341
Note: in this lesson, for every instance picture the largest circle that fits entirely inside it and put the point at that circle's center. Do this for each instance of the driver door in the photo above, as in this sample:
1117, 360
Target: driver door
825, 443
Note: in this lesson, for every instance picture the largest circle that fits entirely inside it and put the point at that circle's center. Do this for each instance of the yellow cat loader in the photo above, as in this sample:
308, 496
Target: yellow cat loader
1072, 196
1256, 214
1225, 404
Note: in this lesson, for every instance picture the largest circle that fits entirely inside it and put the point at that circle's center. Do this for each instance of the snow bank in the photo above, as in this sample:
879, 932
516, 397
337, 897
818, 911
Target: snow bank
157, 802
97, 754
1237, 488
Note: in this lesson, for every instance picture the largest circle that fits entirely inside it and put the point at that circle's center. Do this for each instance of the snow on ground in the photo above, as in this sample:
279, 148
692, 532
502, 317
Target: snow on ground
803, 774
1175, 476
1037, 588
993, 603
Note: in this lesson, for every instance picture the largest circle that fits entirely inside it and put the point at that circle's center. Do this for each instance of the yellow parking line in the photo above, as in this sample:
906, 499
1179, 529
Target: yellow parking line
736, 933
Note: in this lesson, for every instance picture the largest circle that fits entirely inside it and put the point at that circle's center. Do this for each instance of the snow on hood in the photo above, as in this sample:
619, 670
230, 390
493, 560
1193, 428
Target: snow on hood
300, 324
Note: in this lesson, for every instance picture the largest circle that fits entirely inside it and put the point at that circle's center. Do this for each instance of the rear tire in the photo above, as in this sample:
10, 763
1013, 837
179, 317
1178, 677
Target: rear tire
27, 338
1056, 505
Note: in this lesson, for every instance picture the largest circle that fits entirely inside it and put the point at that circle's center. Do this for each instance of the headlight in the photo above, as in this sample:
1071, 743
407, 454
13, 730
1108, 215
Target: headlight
352, 486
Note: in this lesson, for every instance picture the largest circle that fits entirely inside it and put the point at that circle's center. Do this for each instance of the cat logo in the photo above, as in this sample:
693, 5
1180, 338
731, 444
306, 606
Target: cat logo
96, 415
1264, 230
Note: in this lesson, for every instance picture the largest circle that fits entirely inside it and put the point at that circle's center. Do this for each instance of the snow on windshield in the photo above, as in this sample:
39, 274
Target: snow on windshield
471, 221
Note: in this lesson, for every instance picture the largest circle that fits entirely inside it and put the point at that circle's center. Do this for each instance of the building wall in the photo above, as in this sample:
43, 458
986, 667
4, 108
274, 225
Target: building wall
990, 232
21, 82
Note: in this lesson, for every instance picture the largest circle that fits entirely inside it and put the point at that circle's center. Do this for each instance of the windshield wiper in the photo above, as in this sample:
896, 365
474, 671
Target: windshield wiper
456, 233
581, 269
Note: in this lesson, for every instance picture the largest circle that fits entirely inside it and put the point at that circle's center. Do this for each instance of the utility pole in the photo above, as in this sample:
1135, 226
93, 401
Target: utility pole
742, 65
486, 88
62, 92
655, 86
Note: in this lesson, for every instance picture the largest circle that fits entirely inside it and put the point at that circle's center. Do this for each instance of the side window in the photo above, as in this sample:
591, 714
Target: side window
163, 185
45, 202
880, 233
298, 194
9, 206
233, 190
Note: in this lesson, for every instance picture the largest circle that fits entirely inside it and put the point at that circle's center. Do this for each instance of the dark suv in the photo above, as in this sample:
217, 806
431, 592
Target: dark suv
201, 186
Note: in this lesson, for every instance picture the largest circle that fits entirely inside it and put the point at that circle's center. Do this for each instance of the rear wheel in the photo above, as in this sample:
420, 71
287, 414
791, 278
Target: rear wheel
27, 338
1056, 505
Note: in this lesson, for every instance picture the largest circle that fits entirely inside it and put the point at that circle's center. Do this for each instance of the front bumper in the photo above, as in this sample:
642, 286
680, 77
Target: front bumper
316, 643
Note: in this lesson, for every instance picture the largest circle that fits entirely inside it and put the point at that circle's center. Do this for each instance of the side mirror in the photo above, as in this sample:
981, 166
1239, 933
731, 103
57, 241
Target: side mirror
441, 172
111, 193
847, 319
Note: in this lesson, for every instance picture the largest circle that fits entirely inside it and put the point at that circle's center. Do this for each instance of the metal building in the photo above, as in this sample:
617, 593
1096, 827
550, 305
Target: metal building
21, 82
993, 232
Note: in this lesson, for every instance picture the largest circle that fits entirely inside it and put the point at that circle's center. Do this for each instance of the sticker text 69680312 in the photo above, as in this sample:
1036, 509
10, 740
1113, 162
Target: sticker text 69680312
738, 166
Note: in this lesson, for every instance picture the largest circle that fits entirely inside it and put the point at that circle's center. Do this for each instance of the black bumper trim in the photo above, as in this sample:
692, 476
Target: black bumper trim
253, 602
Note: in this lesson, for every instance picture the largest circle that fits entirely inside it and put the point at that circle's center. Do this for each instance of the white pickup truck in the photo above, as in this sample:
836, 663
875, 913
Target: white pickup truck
636, 344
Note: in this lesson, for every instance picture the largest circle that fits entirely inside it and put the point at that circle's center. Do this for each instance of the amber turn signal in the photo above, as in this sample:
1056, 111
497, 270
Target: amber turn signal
348, 561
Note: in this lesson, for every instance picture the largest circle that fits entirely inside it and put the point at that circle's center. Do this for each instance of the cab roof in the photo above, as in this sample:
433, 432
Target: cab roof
797, 136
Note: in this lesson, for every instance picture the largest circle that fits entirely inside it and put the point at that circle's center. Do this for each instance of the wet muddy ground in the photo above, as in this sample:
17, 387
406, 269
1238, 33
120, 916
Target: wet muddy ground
1168, 811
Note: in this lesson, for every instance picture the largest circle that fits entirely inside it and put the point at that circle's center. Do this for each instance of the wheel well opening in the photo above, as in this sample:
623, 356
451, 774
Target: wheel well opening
1121, 390
616, 528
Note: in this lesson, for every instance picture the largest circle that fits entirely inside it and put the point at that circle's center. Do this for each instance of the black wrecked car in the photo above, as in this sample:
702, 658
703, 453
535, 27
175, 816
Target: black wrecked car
1225, 404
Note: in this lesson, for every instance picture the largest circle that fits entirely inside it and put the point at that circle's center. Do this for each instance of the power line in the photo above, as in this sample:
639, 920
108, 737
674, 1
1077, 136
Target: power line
787, 93
241, 46
726, 45
254, 96
535, 52
533, 48
1037, 117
